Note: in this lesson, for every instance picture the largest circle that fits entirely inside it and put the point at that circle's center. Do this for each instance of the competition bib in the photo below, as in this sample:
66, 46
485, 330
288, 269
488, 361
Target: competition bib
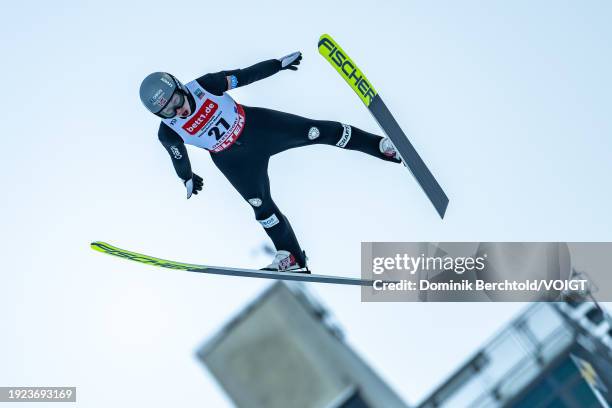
216, 123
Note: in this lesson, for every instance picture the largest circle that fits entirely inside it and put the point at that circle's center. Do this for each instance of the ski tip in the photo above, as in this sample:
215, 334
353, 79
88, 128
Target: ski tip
324, 38
96, 245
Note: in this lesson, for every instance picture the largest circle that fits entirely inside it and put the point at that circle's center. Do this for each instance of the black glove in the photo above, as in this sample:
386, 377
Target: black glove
193, 185
291, 61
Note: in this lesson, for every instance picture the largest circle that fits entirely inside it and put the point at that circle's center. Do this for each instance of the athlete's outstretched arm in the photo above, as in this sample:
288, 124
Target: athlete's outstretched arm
220, 82
175, 147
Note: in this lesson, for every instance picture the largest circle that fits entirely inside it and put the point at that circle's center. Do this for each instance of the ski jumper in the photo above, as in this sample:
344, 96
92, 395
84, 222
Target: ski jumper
241, 140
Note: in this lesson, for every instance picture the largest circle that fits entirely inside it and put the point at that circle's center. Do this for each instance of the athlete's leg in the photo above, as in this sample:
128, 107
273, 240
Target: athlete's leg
281, 131
247, 171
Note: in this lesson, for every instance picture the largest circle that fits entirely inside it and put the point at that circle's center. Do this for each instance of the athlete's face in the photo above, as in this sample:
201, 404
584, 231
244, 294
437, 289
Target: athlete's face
184, 110
178, 105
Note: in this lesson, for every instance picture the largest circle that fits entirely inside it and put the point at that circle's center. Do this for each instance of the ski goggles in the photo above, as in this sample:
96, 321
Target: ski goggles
176, 101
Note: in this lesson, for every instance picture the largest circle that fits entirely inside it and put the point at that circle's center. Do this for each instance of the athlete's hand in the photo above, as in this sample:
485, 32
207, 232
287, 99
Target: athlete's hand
291, 61
193, 185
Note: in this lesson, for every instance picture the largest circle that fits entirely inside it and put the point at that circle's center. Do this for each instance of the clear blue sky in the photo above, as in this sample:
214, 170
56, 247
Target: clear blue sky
508, 103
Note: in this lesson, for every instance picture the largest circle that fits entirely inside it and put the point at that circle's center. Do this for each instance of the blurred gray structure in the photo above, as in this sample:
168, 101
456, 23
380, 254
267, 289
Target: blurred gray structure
284, 351
553, 355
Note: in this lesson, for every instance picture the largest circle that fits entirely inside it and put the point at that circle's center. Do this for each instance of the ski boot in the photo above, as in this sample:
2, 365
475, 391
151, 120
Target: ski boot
284, 261
388, 149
